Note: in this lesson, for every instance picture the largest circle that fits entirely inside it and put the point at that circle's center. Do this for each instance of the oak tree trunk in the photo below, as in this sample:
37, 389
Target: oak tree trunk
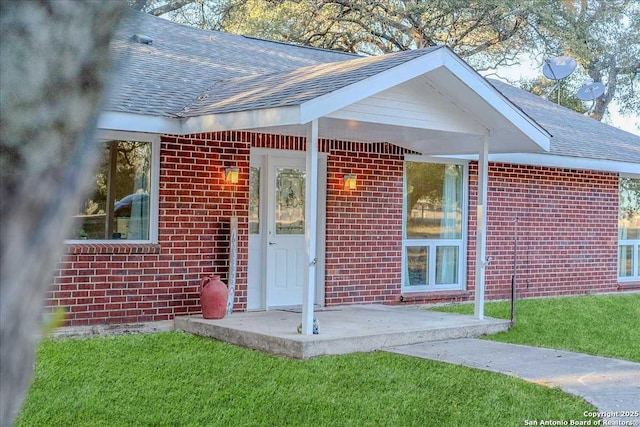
54, 63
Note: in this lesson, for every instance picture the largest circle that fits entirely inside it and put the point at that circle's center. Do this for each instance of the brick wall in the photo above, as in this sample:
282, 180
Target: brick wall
119, 283
364, 226
567, 233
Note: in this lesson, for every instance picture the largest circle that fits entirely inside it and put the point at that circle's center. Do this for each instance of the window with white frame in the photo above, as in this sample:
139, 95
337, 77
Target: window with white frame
119, 204
434, 218
629, 229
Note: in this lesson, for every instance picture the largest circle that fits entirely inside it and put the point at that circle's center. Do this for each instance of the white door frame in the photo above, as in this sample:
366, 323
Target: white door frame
257, 268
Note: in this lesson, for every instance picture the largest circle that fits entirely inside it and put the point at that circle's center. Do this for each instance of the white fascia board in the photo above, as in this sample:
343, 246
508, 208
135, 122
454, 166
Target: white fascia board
118, 121
635, 175
496, 100
108, 135
252, 119
563, 162
336, 100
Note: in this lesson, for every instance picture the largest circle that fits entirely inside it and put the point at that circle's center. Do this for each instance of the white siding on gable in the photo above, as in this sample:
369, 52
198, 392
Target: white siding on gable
412, 104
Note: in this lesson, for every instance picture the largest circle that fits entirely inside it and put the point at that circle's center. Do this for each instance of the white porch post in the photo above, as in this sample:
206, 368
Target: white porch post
481, 228
310, 223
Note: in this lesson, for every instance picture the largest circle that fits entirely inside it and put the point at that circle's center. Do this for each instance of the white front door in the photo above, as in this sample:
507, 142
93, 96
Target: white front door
277, 246
286, 247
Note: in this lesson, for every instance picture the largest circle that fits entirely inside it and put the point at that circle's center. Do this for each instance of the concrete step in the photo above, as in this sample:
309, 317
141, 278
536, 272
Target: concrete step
343, 330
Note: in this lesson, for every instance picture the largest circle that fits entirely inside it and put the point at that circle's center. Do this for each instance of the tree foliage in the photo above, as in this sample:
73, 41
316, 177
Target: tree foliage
602, 35
604, 38
206, 14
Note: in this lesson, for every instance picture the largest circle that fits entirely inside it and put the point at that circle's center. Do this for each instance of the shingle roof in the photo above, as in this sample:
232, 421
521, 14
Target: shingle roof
293, 87
188, 72
182, 62
574, 134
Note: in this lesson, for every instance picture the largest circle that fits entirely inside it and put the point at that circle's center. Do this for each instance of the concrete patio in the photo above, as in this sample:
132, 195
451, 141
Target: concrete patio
343, 329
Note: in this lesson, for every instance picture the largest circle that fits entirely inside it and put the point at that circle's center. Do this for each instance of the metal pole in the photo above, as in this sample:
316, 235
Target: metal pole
513, 277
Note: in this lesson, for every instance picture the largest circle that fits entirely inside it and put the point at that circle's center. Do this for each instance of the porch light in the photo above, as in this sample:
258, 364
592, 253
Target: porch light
350, 181
231, 175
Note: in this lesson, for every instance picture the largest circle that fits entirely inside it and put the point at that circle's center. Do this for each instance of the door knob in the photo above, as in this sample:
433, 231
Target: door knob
272, 243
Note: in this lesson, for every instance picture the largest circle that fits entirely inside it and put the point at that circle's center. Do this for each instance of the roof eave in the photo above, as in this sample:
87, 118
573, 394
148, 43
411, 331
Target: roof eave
266, 117
131, 122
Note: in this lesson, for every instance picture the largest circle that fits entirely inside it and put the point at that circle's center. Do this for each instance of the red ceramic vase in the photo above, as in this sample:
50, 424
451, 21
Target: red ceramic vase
213, 297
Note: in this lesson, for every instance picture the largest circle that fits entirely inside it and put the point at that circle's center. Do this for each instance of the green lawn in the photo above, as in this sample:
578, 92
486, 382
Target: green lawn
603, 325
175, 379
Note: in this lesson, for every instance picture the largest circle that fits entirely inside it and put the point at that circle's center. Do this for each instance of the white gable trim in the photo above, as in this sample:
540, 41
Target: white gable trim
338, 99
498, 101
330, 103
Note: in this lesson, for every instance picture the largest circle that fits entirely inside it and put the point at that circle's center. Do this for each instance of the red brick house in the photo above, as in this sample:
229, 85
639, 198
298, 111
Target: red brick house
409, 191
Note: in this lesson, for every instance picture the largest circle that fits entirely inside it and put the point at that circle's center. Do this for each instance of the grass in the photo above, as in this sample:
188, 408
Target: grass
603, 325
175, 379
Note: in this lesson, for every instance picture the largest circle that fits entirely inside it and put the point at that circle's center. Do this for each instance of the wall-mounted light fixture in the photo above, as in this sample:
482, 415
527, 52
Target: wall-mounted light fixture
231, 175
350, 181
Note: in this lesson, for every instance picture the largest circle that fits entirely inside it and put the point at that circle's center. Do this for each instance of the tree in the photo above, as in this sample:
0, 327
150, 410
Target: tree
55, 57
376, 27
205, 14
159, 7
602, 35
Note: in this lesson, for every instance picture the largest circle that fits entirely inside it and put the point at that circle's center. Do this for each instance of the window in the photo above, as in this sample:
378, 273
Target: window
254, 200
434, 216
629, 229
290, 198
119, 204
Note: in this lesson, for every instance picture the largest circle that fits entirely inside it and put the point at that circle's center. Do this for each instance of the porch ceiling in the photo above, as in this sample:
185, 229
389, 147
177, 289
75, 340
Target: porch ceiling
423, 141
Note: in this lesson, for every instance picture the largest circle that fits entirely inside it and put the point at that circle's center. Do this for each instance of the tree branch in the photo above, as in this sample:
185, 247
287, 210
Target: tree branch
169, 7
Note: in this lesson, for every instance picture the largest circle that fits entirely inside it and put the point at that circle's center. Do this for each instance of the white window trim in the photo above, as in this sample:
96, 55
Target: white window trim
636, 249
629, 242
432, 243
154, 139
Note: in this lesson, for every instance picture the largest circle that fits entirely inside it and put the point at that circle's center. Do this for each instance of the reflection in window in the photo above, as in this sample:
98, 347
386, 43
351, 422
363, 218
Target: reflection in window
433, 216
417, 265
629, 228
254, 200
290, 189
446, 265
625, 261
433, 200
118, 205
